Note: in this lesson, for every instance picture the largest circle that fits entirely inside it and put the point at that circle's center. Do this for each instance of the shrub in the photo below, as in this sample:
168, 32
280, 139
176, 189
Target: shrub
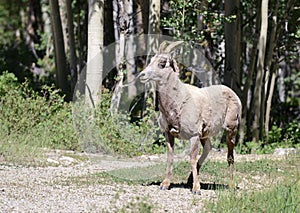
40, 119
43, 119
100, 131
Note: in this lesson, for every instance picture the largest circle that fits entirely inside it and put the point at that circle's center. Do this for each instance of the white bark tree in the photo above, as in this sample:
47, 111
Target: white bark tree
121, 28
130, 50
154, 26
270, 81
260, 71
94, 70
152, 44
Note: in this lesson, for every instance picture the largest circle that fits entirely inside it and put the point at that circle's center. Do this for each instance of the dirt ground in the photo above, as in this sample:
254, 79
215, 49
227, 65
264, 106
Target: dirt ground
50, 188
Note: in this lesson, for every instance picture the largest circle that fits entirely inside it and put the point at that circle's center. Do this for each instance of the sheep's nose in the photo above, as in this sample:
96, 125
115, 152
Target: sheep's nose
142, 74
143, 77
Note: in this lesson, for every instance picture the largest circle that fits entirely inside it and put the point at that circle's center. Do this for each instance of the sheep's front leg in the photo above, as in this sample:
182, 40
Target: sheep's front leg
194, 164
170, 149
230, 139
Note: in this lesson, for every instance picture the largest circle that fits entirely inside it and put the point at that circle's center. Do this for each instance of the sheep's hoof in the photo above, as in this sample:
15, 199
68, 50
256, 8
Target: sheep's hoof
164, 187
196, 189
231, 185
198, 192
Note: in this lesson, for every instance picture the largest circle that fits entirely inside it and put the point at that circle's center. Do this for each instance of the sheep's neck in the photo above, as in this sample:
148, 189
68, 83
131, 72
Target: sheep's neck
169, 99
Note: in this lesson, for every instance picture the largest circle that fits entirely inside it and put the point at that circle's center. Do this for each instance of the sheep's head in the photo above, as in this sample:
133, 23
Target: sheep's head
156, 69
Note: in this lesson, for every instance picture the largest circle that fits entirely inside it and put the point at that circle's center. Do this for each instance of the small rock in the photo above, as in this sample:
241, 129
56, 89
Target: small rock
218, 150
153, 157
49, 160
67, 160
284, 151
144, 157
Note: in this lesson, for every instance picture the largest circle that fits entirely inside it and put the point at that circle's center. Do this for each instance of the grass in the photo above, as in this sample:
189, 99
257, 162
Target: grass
136, 175
262, 186
20, 154
274, 186
284, 197
214, 172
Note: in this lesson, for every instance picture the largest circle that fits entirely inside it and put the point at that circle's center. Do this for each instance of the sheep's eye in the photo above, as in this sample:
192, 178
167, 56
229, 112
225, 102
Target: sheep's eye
162, 63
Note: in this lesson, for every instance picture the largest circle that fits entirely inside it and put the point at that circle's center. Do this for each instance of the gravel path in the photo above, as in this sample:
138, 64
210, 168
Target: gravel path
49, 189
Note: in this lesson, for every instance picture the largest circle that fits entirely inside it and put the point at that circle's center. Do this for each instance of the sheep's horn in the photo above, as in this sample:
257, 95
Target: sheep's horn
162, 46
172, 45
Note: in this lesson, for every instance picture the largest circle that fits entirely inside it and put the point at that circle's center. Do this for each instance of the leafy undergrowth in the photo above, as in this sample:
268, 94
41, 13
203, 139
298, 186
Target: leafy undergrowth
32, 120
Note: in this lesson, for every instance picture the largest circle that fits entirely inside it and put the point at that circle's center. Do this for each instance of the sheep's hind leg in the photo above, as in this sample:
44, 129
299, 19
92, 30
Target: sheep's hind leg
193, 178
206, 149
230, 140
170, 149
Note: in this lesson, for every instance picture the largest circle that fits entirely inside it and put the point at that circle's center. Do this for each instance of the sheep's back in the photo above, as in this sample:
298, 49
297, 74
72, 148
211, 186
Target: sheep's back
209, 106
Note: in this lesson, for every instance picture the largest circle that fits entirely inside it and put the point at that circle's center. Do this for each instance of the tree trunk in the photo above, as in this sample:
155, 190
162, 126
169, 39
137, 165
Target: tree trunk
116, 25
108, 23
59, 49
141, 34
46, 17
130, 50
123, 21
72, 48
95, 58
269, 101
247, 100
145, 14
153, 27
260, 72
153, 43
232, 46
269, 88
33, 25
63, 16
81, 34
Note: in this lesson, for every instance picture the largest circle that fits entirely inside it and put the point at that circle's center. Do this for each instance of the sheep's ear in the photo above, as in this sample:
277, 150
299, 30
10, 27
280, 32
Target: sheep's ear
168, 63
174, 66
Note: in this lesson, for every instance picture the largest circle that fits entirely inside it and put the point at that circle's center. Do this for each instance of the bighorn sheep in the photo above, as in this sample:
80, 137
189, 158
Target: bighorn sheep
191, 113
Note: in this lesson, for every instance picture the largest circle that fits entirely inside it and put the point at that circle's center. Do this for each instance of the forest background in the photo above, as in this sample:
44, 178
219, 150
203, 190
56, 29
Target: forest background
45, 45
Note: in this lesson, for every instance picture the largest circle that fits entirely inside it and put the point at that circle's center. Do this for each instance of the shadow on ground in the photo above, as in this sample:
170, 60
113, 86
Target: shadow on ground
204, 186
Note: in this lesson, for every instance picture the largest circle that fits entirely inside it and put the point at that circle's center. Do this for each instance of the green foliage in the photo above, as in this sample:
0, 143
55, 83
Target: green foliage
277, 137
10, 20
33, 119
101, 131
184, 22
288, 137
17, 59
8, 81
